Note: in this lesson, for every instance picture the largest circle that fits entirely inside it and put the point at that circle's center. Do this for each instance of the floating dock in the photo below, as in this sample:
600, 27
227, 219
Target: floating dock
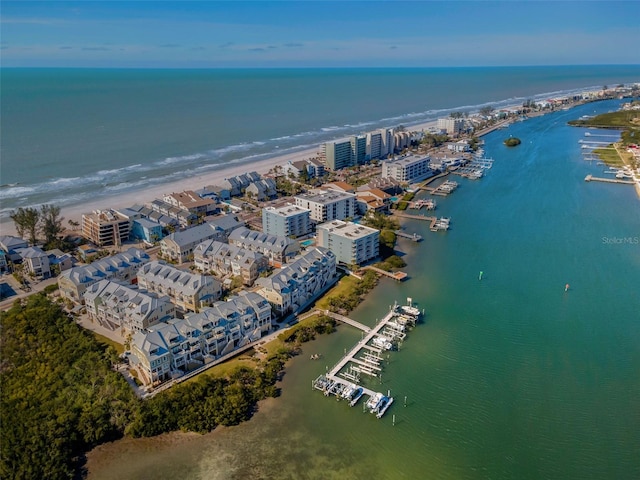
369, 361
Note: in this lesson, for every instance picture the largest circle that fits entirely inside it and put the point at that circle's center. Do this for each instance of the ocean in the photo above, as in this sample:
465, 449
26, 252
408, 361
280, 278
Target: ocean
73, 135
508, 377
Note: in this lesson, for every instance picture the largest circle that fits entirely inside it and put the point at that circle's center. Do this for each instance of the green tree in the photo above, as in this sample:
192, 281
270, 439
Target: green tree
456, 115
50, 222
486, 110
26, 221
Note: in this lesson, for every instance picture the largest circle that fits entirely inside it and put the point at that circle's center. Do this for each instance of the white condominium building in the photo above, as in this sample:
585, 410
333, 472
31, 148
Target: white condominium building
328, 205
287, 221
407, 169
352, 244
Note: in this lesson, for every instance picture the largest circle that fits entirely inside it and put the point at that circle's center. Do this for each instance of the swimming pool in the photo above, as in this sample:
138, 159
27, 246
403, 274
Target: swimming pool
309, 242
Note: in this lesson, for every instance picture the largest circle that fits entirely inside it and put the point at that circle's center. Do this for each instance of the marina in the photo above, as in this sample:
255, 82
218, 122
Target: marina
366, 357
436, 224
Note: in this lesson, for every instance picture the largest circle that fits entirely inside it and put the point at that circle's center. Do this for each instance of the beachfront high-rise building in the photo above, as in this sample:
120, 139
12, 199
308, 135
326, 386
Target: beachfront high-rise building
328, 205
338, 154
380, 143
105, 227
407, 169
351, 243
287, 221
453, 126
358, 149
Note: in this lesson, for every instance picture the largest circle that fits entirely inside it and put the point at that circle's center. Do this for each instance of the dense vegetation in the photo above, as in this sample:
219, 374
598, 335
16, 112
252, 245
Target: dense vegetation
512, 142
59, 395
345, 301
624, 119
304, 332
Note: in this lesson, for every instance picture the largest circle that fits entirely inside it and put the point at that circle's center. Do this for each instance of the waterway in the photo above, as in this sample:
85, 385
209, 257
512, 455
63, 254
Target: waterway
508, 377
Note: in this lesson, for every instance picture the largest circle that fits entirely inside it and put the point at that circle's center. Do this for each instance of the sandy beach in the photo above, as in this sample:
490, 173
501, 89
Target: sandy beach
74, 212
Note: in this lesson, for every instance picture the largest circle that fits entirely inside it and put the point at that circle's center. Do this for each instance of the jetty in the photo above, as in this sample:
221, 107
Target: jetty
366, 357
591, 178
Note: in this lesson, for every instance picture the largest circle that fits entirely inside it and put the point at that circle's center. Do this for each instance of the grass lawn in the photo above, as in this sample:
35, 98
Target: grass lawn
107, 341
609, 156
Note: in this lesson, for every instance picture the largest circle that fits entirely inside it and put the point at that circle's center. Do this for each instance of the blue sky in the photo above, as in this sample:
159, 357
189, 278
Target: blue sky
318, 34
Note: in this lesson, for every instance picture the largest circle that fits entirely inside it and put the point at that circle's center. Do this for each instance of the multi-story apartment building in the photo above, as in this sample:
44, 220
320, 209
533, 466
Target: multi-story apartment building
352, 244
338, 154
191, 201
453, 126
407, 169
119, 307
173, 348
379, 143
291, 287
105, 227
189, 292
287, 221
358, 149
179, 246
223, 259
277, 249
122, 267
328, 205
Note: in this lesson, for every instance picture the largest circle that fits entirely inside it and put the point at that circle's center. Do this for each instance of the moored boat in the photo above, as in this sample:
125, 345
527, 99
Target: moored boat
385, 403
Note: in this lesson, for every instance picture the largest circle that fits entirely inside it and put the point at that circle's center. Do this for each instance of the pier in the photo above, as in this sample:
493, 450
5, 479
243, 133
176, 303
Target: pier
410, 236
369, 361
436, 224
399, 276
347, 320
591, 178
443, 189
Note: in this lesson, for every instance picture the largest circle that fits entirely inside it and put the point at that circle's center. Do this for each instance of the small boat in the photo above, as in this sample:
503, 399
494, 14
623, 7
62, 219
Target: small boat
382, 342
374, 401
357, 395
348, 391
383, 406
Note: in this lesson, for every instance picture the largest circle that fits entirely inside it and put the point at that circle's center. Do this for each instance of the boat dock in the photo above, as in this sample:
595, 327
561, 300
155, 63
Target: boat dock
436, 224
410, 236
444, 189
429, 204
366, 357
591, 178
399, 276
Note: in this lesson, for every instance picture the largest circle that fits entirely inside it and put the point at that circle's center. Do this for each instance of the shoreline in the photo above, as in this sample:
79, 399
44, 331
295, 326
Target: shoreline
148, 194
74, 212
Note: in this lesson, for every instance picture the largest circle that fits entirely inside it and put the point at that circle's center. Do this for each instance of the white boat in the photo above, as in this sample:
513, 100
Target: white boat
382, 342
357, 395
348, 391
374, 401
383, 406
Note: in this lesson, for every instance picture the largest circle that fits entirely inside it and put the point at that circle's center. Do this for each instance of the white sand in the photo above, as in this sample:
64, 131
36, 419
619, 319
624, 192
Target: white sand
74, 212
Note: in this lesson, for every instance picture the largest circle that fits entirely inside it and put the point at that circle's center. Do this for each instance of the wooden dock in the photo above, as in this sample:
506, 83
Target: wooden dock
433, 225
591, 178
410, 236
399, 276
347, 320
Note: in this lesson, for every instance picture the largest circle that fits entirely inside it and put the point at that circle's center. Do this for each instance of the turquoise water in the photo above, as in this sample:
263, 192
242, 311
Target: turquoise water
306, 243
509, 377
72, 135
